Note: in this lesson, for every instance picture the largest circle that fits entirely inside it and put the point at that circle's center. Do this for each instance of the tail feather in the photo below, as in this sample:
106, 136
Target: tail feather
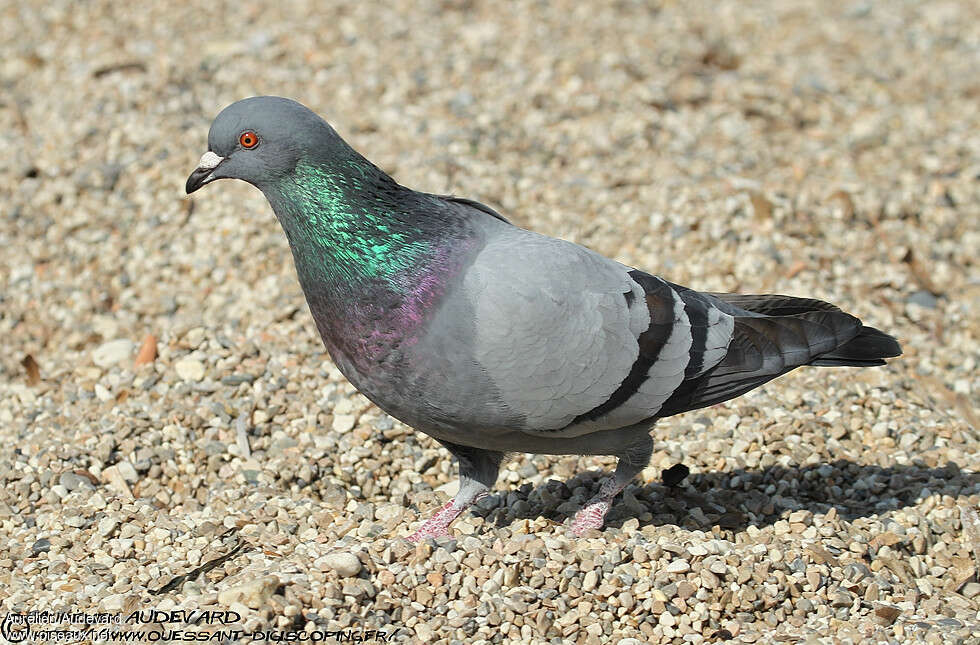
773, 304
763, 348
775, 334
869, 348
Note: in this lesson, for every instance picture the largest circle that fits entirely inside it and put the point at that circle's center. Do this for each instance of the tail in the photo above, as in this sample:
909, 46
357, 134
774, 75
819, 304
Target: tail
869, 348
773, 335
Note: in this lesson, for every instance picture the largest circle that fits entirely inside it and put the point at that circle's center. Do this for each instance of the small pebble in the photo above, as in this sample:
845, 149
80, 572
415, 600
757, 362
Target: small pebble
344, 564
252, 594
75, 482
189, 369
678, 566
113, 352
41, 546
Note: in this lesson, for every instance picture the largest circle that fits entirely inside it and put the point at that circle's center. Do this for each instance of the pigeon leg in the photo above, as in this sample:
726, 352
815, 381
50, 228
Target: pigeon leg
593, 514
477, 473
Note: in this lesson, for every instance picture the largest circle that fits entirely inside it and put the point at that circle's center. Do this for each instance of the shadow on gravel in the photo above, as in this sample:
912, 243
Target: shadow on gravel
733, 501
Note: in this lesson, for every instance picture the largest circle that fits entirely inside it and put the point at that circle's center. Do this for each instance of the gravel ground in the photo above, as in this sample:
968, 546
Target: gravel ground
176, 437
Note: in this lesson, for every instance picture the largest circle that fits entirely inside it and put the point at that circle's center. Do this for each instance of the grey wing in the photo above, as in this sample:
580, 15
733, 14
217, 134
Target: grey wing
687, 336
576, 343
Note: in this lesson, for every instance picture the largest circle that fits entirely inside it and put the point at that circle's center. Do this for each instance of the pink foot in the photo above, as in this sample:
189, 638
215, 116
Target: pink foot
591, 516
437, 525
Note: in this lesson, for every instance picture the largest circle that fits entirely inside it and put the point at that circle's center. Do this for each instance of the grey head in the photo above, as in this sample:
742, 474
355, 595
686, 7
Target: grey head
262, 138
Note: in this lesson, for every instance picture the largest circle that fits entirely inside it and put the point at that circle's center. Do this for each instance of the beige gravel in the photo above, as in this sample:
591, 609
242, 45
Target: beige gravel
821, 149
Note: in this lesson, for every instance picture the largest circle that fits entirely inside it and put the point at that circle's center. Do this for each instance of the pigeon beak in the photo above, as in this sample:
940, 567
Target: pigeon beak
204, 173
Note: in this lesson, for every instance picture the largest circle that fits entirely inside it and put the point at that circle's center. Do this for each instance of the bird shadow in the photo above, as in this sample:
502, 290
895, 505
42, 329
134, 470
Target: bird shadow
729, 502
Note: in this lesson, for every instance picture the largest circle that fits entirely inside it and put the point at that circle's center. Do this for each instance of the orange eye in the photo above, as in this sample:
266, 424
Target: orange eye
248, 139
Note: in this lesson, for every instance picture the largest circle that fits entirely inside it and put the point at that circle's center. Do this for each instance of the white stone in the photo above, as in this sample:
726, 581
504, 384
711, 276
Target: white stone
127, 471
590, 580
253, 594
189, 369
389, 513
345, 564
107, 525
697, 549
194, 337
113, 352
105, 560
343, 422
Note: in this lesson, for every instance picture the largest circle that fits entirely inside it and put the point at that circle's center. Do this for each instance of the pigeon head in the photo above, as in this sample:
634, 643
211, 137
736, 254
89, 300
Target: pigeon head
261, 139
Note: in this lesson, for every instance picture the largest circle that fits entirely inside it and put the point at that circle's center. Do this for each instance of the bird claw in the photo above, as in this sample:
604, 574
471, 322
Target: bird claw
426, 532
591, 516
436, 526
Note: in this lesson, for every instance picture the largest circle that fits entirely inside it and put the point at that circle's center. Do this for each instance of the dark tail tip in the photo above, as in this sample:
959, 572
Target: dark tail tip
868, 349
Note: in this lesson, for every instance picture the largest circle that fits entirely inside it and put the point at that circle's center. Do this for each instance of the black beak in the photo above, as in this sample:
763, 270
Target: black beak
197, 179
204, 173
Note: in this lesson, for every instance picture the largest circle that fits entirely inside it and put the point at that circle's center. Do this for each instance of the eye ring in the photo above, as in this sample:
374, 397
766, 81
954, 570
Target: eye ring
248, 139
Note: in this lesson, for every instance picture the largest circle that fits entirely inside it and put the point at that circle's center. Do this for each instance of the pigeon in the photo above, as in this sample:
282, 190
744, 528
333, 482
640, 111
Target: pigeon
493, 339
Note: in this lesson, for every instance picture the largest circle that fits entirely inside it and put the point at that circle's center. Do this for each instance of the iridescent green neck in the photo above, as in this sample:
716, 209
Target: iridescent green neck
349, 220
374, 258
